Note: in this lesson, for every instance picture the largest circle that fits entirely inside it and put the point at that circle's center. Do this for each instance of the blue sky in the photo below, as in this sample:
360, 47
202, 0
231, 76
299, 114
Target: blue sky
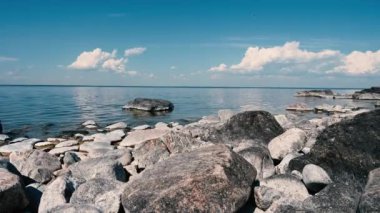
310, 43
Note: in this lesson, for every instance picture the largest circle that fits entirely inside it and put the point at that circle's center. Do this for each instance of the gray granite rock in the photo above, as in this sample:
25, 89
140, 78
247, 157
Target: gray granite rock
12, 195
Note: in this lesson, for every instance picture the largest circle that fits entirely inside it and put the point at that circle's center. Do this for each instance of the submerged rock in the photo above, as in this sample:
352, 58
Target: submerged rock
12, 195
150, 105
212, 179
370, 199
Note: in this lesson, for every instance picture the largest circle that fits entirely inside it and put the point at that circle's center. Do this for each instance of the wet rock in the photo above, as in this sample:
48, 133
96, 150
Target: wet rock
347, 151
217, 179
62, 150
118, 125
370, 199
150, 105
35, 164
335, 197
315, 178
102, 193
258, 156
12, 196
139, 136
291, 141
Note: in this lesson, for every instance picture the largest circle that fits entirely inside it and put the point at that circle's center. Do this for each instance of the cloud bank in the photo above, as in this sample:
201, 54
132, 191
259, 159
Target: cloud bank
290, 57
98, 59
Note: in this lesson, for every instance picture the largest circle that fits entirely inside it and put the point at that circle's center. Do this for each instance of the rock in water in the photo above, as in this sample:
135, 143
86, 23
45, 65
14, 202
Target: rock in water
12, 196
370, 199
314, 177
151, 105
293, 140
208, 179
372, 93
347, 151
35, 164
259, 126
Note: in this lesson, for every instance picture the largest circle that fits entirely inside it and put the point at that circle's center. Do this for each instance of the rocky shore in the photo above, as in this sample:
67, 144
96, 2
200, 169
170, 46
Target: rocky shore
247, 161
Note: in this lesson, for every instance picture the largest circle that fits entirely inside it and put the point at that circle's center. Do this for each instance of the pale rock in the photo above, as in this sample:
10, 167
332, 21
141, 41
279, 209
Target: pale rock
293, 140
142, 127
315, 178
67, 143
225, 114
162, 126
62, 150
139, 136
119, 125
282, 168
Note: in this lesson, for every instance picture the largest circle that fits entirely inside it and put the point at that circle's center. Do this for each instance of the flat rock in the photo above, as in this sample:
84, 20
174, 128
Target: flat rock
93, 147
62, 150
110, 137
217, 179
12, 195
89, 122
35, 164
347, 151
44, 145
315, 178
370, 199
67, 143
300, 107
151, 105
118, 125
20, 147
142, 127
139, 136
102, 193
291, 141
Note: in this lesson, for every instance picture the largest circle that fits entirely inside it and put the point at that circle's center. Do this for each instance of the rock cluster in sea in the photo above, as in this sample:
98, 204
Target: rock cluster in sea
248, 161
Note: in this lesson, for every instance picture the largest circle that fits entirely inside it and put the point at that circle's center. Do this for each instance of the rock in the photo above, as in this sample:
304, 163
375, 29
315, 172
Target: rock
150, 105
56, 140
45, 145
291, 141
296, 174
280, 190
315, 178
102, 193
178, 142
110, 137
3, 137
33, 193
35, 164
89, 122
98, 168
217, 179
73, 208
71, 133
12, 196
259, 126
335, 197
16, 140
325, 93
28, 140
258, 156
370, 199
300, 107
67, 143
372, 93
225, 114
19, 147
334, 108
70, 158
377, 104
95, 147
347, 151
119, 125
209, 119
282, 168
62, 150
58, 193
139, 136
142, 127
162, 125
283, 121
150, 152
131, 169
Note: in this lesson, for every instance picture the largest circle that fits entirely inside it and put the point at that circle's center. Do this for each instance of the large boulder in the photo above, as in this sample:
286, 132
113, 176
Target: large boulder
17, 147
102, 193
291, 141
35, 164
12, 195
260, 126
347, 151
211, 178
151, 105
315, 178
370, 199
150, 152
74, 208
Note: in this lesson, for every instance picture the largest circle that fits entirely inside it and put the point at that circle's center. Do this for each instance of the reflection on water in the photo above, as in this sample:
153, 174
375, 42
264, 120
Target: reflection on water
40, 111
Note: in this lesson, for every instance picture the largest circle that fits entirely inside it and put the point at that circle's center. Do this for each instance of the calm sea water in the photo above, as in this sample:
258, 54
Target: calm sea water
41, 111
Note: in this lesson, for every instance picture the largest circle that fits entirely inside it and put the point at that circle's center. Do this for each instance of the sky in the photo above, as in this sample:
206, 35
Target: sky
232, 43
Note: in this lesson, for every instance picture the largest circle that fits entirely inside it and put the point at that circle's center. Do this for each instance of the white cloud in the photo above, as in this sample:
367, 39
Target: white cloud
134, 51
173, 67
219, 68
4, 59
132, 73
98, 59
289, 58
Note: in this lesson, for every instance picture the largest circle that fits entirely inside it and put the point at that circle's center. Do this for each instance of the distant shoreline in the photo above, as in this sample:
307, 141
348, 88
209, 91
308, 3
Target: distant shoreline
191, 87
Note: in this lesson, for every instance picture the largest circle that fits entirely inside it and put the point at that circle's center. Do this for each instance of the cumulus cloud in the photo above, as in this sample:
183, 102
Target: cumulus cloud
291, 57
98, 59
134, 51
219, 68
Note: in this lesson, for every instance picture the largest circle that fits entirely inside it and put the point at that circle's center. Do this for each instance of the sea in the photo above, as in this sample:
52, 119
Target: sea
45, 111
